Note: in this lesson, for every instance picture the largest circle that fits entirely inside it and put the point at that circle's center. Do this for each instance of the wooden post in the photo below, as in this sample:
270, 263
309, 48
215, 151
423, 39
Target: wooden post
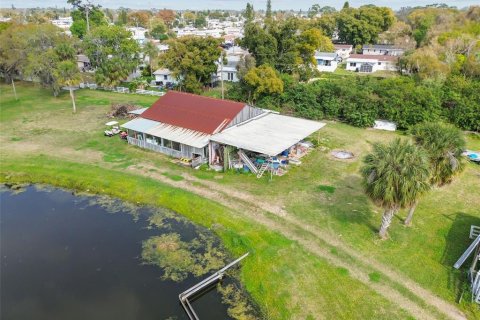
14, 90
73, 100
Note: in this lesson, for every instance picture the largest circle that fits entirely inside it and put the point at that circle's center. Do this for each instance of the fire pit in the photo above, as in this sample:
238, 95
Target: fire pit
342, 154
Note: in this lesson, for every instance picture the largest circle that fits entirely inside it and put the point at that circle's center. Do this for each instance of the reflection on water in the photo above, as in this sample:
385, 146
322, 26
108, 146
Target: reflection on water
71, 257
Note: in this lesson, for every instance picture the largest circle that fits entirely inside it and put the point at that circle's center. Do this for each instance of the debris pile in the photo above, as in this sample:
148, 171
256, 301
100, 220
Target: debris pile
122, 110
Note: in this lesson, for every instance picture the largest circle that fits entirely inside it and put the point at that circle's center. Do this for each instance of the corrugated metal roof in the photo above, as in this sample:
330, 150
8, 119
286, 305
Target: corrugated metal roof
138, 111
139, 124
269, 133
325, 55
181, 135
189, 111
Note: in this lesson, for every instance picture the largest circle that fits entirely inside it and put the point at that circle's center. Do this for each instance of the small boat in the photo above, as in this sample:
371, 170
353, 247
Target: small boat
472, 156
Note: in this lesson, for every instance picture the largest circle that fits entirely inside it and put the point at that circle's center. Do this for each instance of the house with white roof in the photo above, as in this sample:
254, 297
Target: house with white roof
326, 61
163, 76
371, 63
138, 34
382, 49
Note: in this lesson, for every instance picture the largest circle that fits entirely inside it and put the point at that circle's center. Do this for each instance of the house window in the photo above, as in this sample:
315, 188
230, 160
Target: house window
230, 76
176, 146
165, 77
167, 143
353, 64
379, 63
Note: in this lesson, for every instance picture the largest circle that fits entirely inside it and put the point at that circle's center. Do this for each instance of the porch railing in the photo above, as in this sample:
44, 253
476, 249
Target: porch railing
154, 147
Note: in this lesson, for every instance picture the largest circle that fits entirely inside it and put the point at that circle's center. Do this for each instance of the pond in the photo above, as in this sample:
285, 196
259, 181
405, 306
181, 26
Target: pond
65, 256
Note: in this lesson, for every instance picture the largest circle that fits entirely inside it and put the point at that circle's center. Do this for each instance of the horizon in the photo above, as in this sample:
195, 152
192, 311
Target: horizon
303, 5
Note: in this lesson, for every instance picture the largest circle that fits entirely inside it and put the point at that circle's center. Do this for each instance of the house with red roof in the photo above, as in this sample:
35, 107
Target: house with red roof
224, 133
180, 124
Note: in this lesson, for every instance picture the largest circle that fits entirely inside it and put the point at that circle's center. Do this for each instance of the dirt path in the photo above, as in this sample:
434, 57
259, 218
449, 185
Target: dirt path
334, 241
253, 208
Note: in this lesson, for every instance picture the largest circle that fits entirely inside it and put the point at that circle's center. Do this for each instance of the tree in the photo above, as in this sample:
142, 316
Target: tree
151, 51
200, 21
85, 17
425, 63
249, 14
67, 74
268, 12
346, 5
363, 25
168, 16
112, 52
139, 18
192, 61
122, 17
444, 145
246, 63
394, 176
262, 80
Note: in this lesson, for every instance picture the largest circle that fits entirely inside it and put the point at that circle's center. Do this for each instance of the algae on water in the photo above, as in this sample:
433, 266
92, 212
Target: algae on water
179, 258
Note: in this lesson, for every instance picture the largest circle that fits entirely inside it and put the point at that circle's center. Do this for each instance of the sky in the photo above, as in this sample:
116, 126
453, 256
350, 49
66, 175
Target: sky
232, 4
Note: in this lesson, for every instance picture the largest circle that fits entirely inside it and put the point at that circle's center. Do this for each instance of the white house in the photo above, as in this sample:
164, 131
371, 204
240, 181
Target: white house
164, 76
228, 72
326, 61
343, 50
138, 34
371, 63
382, 49
63, 22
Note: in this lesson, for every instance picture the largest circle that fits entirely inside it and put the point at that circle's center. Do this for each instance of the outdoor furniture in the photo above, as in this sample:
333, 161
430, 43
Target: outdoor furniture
112, 129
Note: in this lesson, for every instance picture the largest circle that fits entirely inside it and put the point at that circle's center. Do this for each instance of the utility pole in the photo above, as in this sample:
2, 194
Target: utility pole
87, 8
14, 90
221, 75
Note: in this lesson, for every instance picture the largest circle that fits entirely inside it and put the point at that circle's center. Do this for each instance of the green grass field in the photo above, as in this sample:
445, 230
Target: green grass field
42, 141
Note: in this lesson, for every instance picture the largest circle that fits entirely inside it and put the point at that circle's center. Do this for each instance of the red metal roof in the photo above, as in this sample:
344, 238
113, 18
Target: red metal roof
342, 46
194, 112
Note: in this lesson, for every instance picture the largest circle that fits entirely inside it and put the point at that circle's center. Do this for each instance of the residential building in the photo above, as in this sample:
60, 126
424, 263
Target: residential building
326, 61
343, 50
224, 133
83, 63
382, 49
138, 34
163, 76
371, 63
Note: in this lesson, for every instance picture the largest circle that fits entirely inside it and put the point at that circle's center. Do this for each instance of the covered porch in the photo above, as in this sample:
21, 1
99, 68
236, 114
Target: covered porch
188, 145
268, 143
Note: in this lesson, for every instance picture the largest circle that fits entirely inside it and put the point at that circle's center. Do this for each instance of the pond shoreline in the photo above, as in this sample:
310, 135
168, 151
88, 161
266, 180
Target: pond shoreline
236, 300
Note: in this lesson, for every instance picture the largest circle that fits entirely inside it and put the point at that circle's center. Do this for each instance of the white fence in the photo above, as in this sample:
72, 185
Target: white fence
94, 86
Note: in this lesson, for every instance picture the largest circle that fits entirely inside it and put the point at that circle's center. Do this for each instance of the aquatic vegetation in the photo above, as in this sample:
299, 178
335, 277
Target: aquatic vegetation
238, 306
178, 259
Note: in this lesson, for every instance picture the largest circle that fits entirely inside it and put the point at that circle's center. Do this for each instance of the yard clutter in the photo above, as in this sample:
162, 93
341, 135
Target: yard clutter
473, 156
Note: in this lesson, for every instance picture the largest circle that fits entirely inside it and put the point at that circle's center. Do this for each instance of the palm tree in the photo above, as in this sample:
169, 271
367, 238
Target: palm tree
395, 175
68, 75
151, 51
444, 145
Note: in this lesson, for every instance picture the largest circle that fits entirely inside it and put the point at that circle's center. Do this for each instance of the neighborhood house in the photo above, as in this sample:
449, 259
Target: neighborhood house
371, 63
164, 77
224, 133
326, 61
382, 49
343, 50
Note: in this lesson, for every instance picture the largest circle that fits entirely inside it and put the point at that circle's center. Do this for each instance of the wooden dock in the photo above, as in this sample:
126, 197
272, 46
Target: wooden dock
202, 285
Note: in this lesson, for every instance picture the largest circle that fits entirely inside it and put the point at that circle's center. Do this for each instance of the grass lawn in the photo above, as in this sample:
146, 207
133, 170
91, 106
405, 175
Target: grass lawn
42, 141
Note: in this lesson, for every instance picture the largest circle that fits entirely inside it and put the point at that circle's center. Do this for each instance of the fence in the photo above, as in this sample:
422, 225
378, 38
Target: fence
94, 86
154, 147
